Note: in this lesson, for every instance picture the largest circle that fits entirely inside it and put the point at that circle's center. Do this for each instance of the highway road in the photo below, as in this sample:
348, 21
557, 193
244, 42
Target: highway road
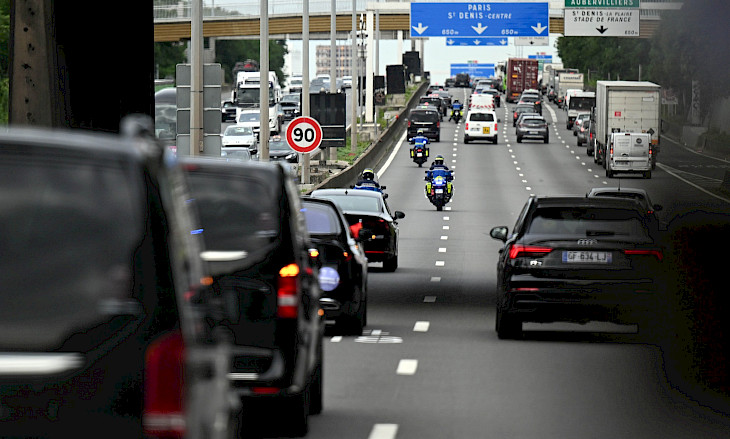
430, 364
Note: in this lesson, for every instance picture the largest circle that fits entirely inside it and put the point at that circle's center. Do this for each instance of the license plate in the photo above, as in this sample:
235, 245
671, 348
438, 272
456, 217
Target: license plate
586, 257
622, 162
419, 154
439, 191
485, 130
532, 132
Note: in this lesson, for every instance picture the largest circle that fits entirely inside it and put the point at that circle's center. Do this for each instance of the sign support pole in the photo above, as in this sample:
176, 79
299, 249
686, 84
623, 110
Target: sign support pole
264, 82
369, 69
196, 78
355, 77
306, 176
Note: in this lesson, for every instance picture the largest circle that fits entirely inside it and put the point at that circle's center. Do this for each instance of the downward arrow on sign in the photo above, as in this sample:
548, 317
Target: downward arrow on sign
479, 29
420, 28
476, 42
539, 28
601, 29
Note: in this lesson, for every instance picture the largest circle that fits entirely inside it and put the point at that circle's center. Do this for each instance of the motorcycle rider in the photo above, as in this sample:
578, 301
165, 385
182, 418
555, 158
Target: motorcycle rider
367, 178
438, 168
456, 107
419, 138
438, 163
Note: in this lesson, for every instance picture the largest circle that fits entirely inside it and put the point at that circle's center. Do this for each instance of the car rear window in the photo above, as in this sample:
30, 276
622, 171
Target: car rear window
424, 116
587, 221
321, 219
350, 203
70, 228
237, 213
481, 117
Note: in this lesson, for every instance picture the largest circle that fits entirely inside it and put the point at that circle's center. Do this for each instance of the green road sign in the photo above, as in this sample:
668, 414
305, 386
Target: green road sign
601, 3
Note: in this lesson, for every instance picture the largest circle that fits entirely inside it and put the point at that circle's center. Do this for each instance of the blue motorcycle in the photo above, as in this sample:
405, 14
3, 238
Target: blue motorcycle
370, 186
439, 188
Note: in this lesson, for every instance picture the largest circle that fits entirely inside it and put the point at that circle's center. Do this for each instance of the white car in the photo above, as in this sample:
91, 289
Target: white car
252, 118
240, 136
480, 124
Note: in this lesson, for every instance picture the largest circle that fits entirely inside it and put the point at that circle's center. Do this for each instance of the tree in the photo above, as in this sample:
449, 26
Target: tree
228, 52
167, 55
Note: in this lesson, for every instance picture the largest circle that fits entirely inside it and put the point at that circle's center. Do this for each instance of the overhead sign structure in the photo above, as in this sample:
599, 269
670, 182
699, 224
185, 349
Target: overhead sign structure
601, 22
532, 41
602, 4
479, 19
480, 70
489, 41
304, 134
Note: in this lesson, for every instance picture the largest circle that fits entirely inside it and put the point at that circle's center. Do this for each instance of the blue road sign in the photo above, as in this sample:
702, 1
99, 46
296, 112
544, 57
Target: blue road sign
479, 19
481, 70
488, 41
539, 56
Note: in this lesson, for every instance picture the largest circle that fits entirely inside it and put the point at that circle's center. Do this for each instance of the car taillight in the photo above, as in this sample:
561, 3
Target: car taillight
286, 293
656, 253
466, 126
163, 387
438, 124
519, 250
591, 136
409, 123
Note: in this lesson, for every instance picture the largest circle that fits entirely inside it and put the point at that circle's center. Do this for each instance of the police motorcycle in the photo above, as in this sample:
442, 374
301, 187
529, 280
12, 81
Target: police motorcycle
439, 187
456, 111
367, 183
419, 151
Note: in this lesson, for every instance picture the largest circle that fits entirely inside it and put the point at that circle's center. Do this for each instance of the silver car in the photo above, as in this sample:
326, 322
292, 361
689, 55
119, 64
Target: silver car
532, 127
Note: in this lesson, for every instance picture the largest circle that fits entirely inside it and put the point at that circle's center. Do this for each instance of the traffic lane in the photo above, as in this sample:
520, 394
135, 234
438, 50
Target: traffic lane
684, 159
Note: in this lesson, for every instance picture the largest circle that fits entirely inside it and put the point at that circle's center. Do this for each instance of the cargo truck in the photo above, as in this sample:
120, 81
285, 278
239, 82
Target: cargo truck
521, 75
567, 81
626, 107
552, 86
577, 103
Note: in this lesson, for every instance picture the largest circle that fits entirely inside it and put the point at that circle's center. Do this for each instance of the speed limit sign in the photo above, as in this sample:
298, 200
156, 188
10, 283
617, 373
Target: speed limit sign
304, 134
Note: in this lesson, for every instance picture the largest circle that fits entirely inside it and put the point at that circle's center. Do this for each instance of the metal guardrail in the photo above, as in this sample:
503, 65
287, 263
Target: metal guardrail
378, 151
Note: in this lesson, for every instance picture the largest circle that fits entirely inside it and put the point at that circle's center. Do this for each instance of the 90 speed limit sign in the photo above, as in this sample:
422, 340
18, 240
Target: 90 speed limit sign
304, 134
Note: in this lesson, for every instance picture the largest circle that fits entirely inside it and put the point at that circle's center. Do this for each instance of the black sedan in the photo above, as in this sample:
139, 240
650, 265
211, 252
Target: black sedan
343, 275
368, 210
577, 259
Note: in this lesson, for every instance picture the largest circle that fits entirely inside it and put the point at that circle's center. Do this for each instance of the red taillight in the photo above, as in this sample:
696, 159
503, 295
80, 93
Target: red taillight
591, 136
656, 253
286, 293
163, 387
438, 124
409, 123
518, 250
466, 126
496, 128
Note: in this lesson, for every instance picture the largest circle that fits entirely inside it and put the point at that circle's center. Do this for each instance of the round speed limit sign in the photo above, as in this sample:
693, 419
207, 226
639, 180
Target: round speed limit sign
304, 134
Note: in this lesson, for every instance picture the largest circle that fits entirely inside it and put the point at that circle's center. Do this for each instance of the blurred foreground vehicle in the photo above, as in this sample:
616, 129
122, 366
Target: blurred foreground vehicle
265, 267
343, 276
578, 259
103, 326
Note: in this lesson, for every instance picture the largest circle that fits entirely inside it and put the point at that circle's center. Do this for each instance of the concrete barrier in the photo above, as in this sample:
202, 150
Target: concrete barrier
378, 151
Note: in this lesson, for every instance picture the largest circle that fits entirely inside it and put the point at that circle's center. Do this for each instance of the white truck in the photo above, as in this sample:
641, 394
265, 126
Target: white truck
565, 82
577, 103
246, 96
627, 107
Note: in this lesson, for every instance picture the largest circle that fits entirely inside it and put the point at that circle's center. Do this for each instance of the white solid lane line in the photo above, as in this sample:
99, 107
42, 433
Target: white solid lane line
384, 431
336, 339
407, 367
429, 299
435, 279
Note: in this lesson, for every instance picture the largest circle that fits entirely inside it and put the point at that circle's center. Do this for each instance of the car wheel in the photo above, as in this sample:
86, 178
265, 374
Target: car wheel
316, 393
578, 142
466, 140
647, 174
519, 139
296, 412
547, 139
507, 327
495, 140
438, 138
567, 126
609, 173
391, 264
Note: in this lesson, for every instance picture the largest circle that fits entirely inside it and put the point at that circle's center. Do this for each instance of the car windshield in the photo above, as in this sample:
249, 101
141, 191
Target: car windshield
321, 219
70, 232
249, 117
349, 203
424, 116
589, 221
238, 154
231, 221
290, 98
279, 145
234, 130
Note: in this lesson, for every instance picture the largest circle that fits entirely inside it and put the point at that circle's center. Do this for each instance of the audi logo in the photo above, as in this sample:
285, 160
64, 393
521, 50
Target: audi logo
587, 242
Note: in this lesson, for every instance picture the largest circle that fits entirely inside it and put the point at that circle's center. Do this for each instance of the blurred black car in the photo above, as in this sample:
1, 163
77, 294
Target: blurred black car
449, 82
368, 210
228, 111
577, 259
426, 118
533, 99
343, 276
279, 150
291, 106
435, 101
263, 264
519, 109
105, 306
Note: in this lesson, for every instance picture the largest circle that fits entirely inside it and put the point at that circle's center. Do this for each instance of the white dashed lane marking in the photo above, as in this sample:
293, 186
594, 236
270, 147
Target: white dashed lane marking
407, 367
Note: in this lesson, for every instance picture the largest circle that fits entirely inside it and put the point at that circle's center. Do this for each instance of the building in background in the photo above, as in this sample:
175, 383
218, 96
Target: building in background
343, 60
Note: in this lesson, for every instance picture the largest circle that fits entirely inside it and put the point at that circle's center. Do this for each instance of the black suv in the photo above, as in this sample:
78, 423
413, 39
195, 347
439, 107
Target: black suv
578, 259
426, 118
104, 303
462, 80
263, 264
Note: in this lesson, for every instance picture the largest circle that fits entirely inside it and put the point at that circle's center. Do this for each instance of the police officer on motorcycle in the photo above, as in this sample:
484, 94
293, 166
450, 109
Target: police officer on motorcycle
438, 163
367, 178
419, 138
456, 107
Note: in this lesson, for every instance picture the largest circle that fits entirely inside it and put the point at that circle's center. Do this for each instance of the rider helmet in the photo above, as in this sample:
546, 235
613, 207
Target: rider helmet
439, 160
368, 174
420, 131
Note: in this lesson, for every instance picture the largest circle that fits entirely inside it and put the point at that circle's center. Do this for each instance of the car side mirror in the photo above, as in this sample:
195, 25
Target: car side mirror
499, 233
499, 120
383, 187
399, 214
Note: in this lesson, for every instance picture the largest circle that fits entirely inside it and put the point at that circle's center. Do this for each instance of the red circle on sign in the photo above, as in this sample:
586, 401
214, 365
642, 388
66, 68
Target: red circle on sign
304, 134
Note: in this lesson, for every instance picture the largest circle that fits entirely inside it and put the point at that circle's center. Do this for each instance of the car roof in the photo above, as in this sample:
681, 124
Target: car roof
584, 201
262, 171
632, 190
348, 192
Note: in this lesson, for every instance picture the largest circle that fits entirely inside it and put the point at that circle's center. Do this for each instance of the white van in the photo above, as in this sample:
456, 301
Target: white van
481, 102
480, 124
629, 152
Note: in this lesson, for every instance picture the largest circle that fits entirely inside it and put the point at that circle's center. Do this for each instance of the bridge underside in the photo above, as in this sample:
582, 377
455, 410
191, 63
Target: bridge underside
291, 27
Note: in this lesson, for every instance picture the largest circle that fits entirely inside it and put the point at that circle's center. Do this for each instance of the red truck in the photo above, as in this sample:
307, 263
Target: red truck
521, 75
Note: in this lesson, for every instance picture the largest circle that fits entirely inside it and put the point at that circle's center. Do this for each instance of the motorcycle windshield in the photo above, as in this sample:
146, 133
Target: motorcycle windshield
440, 173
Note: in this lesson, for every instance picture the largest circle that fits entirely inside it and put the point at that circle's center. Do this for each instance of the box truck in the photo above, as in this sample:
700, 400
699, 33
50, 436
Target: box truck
577, 103
521, 75
626, 107
567, 81
552, 87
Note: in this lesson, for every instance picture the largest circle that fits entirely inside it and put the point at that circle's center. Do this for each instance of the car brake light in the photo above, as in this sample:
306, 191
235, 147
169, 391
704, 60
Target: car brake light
466, 126
656, 253
163, 387
287, 298
518, 250
438, 124
409, 123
